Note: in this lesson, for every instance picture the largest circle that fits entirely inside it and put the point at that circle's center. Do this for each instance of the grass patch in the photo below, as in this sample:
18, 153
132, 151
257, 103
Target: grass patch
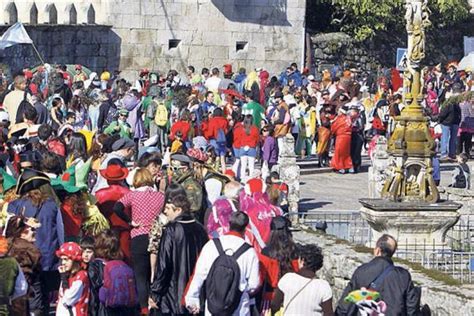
363, 249
433, 274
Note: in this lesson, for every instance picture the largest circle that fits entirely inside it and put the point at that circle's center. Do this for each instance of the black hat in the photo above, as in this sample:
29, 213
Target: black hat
29, 180
278, 94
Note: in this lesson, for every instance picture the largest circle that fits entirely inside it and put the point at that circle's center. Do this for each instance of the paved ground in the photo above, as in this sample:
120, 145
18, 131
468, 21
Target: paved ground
335, 192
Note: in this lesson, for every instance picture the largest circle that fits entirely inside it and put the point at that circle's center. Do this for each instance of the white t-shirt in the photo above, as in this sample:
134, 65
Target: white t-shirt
309, 300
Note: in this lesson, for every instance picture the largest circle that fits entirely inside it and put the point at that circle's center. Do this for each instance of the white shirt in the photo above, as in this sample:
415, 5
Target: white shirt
249, 273
212, 83
309, 300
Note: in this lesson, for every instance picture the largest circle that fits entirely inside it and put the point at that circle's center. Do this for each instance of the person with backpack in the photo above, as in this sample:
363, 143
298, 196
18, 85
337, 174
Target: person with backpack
229, 269
217, 135
161, 120
394, 283
461, 175
107, 273
181, 242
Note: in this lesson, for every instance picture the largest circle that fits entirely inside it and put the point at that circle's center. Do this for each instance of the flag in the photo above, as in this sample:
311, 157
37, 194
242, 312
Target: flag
16, 34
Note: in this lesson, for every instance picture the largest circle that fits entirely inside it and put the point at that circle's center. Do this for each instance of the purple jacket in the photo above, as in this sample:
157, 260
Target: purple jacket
270, 150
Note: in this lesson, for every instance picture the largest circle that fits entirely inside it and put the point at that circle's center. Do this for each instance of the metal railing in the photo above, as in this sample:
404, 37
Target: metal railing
455, 257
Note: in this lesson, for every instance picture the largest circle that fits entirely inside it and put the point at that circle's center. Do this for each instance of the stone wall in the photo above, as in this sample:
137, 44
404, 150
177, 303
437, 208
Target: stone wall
341, 259
246, 33
270, 33
329, 49
96, 46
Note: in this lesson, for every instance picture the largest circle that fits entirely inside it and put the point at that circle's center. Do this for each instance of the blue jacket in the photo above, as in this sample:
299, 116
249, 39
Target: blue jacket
50, 236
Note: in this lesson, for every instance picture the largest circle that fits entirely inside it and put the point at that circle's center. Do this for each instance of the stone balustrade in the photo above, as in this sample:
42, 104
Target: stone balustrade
444, 296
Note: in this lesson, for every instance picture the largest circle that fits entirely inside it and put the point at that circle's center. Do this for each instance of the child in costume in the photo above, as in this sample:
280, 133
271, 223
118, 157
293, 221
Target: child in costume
74, 288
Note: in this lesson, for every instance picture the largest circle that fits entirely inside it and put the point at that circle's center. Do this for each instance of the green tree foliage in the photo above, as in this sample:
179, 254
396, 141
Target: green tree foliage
365, 19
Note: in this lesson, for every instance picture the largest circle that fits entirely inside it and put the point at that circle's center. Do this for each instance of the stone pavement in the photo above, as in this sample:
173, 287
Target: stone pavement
336, 192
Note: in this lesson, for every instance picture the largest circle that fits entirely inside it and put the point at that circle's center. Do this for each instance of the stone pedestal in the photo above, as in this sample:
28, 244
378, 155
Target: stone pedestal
380, 161
411, 223
289, 173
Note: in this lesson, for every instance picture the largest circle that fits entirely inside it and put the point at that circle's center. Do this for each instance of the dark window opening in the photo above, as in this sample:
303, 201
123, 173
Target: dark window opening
240, 46
173, 43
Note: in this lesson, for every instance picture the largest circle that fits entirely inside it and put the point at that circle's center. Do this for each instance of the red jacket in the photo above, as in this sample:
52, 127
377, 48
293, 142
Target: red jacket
250, 140
216, 123
72, 221
238, 127
106, 199
182, 126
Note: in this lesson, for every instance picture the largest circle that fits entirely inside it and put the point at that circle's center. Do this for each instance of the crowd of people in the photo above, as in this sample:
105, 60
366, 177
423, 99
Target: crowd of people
162, 196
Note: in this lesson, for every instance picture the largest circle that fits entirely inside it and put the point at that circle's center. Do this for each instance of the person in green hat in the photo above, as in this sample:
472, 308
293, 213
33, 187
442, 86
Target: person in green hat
72, 203
120, 126
8, 182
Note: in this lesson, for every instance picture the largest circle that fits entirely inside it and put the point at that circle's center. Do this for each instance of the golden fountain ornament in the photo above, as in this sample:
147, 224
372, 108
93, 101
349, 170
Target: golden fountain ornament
410, 208
410, 177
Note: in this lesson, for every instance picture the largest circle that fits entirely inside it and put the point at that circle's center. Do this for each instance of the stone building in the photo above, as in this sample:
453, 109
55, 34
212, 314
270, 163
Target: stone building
163, 34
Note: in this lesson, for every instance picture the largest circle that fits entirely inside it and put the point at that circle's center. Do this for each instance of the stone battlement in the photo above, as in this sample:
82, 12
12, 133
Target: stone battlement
167, 34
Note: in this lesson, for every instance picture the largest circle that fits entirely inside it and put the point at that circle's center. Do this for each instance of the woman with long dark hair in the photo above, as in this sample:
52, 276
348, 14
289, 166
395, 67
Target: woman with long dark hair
276, 258
77, 150
249, 136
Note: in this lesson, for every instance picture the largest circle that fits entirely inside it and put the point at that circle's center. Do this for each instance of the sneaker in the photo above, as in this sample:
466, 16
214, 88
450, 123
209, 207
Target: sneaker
342, 171
352, 170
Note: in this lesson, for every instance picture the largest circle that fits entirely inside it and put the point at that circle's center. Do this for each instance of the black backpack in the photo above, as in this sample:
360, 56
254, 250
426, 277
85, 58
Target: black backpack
222, 283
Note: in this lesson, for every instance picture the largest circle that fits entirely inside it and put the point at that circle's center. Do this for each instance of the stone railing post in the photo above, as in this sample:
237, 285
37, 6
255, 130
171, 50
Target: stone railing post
289, 173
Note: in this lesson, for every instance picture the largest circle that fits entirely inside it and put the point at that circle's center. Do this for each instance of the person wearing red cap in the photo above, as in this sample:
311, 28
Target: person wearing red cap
107, 197
80, 74
74, 289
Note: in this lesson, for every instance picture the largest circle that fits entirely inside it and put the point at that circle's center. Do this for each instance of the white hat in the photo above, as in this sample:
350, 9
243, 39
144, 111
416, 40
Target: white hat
311, 78
4, 117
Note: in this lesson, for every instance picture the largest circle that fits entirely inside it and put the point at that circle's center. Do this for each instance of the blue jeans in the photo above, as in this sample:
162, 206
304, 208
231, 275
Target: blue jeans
250, 152
449, 138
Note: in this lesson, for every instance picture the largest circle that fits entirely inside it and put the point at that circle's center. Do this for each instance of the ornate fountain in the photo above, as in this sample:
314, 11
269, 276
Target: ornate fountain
409, 208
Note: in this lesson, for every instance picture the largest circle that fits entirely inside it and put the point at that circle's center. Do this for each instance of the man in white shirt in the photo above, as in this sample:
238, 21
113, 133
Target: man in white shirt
247, 262
13, 99
212, 83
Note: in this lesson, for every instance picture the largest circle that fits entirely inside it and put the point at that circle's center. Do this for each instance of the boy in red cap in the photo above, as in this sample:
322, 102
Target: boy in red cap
74, 289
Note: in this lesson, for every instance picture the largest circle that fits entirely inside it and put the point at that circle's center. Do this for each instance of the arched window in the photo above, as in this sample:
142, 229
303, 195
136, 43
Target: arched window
72, 14
52, 14
91, 15
33, 14
12, 13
